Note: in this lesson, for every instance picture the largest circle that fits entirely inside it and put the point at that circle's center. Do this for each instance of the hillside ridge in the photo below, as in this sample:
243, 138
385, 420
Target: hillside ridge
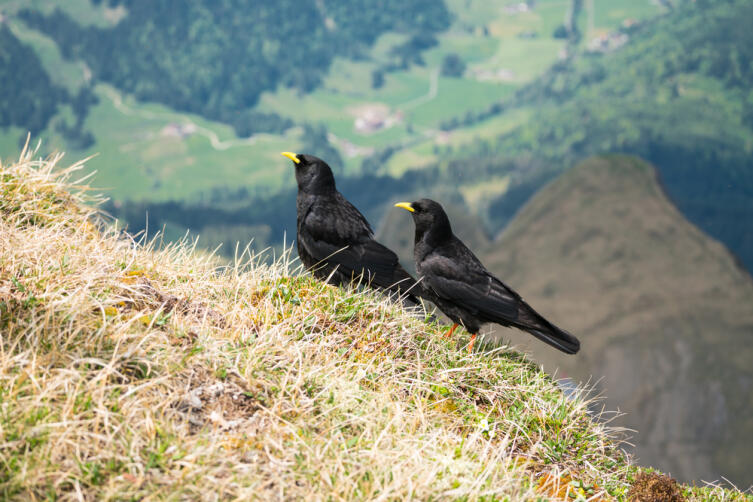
130, 369
660, 306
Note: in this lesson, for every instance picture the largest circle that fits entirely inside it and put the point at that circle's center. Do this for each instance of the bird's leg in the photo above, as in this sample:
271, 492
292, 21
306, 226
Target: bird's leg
470, 345
450, 331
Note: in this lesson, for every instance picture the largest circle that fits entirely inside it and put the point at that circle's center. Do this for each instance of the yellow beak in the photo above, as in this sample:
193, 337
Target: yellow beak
406, 206
292, 157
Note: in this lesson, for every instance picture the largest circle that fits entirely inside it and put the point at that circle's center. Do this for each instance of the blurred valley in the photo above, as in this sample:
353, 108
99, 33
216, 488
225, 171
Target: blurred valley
503, 111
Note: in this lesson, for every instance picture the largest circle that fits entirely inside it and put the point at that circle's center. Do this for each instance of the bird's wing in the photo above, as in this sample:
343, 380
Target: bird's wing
340, 235
461, 279
353, 258
458, 277
353, 214
334, 220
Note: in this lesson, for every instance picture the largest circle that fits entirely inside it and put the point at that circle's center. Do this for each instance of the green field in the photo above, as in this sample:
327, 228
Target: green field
609, 14
139, 159
429, 150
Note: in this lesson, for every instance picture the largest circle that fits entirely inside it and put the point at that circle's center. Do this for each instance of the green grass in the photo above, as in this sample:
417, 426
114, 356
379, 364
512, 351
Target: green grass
132, 371
471, 47
426, 152
456, 97
473, 13
157, 167
609, 14
476, 194
527, 59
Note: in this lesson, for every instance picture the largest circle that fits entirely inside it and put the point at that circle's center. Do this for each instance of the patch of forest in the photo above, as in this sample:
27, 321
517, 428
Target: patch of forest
215, 58
35, 96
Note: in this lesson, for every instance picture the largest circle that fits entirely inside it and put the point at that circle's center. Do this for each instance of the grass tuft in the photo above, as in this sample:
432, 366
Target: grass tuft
131, 369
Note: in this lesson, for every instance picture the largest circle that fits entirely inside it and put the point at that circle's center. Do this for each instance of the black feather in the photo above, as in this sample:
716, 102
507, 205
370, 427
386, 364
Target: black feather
335, 241
466, 291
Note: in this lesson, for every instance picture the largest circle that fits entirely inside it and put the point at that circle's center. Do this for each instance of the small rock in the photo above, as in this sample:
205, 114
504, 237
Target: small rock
193, 400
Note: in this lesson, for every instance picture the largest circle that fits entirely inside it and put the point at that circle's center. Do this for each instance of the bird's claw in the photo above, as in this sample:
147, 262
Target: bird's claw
450, 331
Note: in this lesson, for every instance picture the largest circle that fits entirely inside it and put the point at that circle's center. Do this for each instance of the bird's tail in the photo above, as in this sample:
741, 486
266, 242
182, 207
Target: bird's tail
534, 323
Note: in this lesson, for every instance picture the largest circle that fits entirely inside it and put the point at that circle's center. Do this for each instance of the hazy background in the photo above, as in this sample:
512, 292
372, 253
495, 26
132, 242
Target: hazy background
596, 153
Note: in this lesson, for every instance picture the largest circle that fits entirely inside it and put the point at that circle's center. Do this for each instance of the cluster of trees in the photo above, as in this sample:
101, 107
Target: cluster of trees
316, 142
452, 66
249, 122
375, 162
75, 133
402, 56
32, 99
215, 58
471, 118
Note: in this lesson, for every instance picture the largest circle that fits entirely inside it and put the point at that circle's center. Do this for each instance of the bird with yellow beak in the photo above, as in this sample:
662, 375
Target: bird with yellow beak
467, 292
335, 241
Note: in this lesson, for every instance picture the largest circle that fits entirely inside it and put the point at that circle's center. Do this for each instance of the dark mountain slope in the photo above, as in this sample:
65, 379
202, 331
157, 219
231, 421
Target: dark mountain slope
664, 313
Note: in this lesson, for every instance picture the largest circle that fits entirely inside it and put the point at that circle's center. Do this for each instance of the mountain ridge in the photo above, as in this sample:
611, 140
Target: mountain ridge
603, 252
672, 95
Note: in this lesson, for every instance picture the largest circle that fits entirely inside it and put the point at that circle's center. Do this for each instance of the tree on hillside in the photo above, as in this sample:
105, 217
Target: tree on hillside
377, 79
560, 32
34, 98
452, 66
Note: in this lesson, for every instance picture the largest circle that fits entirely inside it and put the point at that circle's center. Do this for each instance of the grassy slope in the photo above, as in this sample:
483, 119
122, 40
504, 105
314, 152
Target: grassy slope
662, 310
127, 371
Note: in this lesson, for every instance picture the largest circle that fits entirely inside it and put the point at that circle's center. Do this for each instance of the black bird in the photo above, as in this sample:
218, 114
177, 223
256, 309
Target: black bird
467, 292
335, 242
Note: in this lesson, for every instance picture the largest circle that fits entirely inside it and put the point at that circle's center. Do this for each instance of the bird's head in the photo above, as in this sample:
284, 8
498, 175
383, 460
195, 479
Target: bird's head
429, 217
313, 175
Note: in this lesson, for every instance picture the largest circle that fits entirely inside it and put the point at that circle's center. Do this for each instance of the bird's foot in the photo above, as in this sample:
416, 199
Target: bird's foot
470, 345
450, 331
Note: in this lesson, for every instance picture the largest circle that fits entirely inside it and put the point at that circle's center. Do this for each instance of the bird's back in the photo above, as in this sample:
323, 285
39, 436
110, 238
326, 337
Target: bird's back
469, 293
336, 242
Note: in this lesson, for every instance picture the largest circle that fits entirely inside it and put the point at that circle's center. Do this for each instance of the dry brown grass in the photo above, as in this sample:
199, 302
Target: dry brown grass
131, 370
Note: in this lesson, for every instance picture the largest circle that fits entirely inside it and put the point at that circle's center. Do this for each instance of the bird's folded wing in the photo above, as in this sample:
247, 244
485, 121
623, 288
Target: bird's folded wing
378, 264
473, 290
